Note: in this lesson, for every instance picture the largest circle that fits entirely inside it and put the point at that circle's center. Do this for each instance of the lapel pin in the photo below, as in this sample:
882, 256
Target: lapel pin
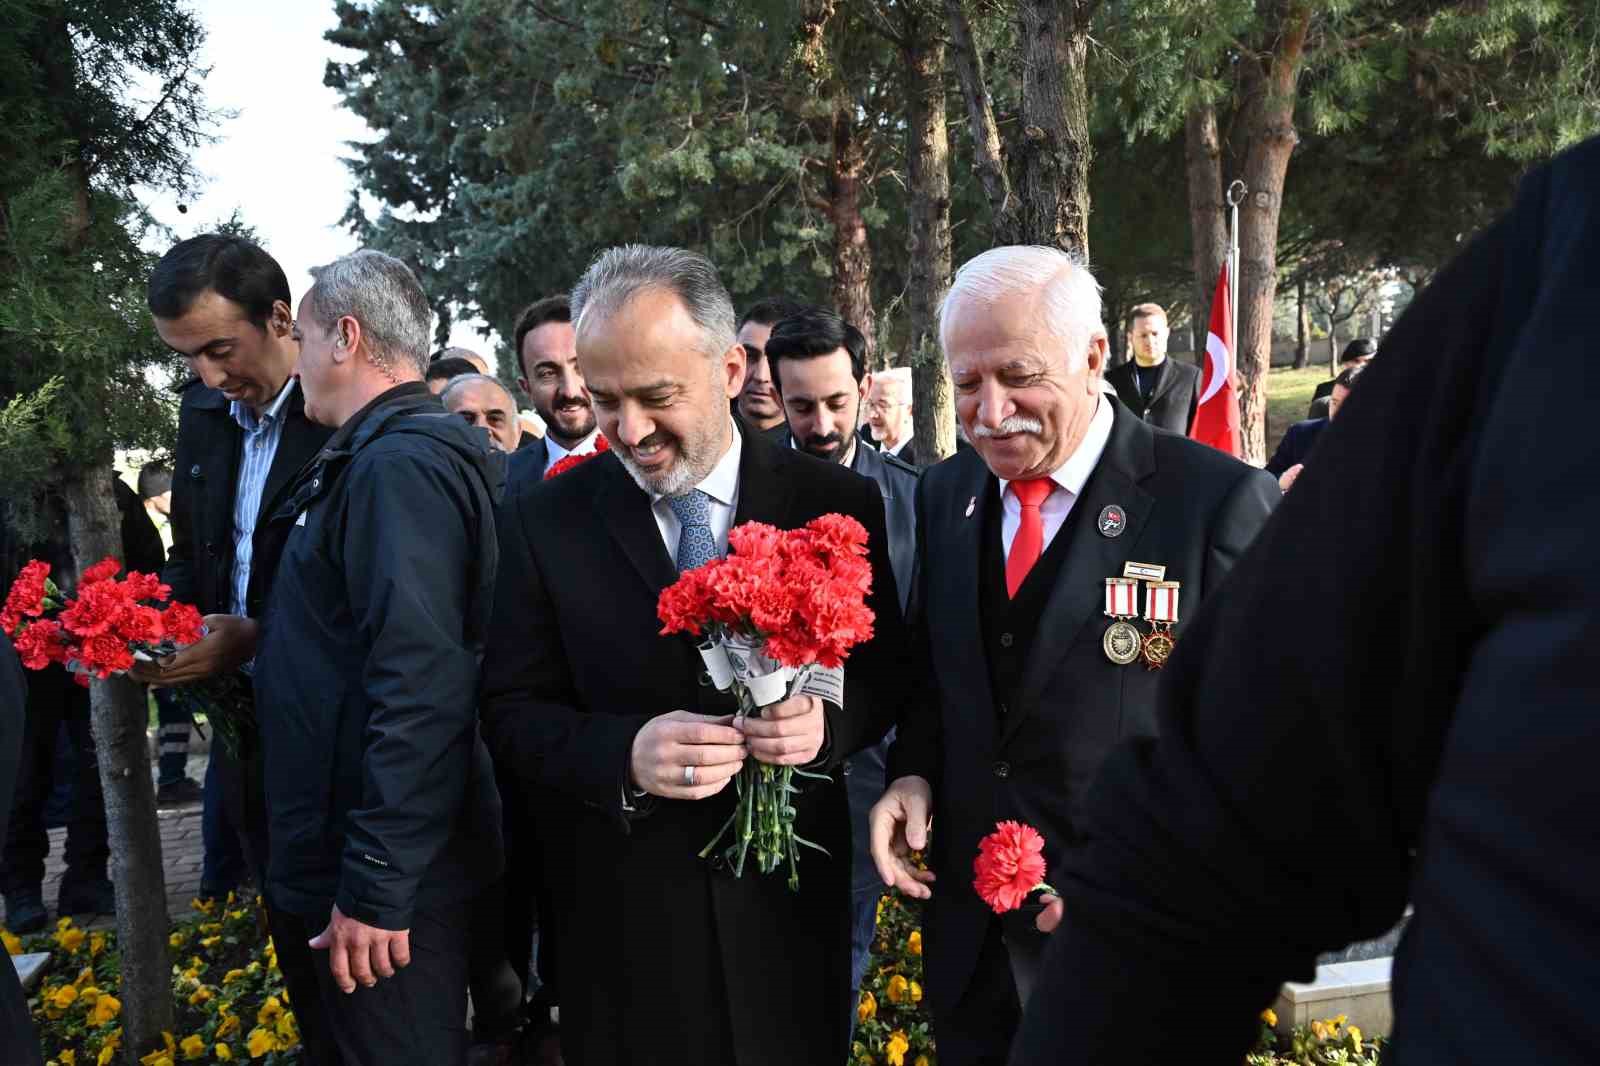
1112, 521
972, 505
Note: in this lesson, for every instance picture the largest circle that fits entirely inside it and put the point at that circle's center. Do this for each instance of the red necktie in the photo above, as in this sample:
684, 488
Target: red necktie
1029, 541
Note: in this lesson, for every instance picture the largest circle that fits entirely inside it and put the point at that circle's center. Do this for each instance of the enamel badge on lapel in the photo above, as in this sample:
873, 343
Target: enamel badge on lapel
1112, 521
1122, 642
1161, 611
972, 505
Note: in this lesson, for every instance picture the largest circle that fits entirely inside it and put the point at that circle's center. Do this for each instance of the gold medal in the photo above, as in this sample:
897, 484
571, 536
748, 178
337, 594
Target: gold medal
1161, 611
1121, 643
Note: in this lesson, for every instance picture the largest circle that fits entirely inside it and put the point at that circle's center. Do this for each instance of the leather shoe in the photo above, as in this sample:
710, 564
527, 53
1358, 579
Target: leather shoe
87, 897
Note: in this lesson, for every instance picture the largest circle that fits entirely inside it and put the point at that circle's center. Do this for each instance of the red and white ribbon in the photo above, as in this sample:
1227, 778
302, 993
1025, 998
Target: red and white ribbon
1122, 597
1161, 601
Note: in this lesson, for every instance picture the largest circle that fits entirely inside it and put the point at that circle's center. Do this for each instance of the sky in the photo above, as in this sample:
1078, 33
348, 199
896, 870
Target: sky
278, 160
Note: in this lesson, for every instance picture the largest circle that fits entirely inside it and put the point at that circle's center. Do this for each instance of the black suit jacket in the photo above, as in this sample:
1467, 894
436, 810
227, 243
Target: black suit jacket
205, 480
1188, 507
526, 465
1176, 396
1411, 654
680, 962
1296, 444
18, 1043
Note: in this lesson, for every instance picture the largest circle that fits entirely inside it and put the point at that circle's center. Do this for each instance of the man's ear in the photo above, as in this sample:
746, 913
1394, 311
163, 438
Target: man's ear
280, 321
734, 369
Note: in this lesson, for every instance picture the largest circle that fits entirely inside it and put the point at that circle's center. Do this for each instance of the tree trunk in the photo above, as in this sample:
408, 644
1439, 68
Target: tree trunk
852, 254
1208, 229
1274, 82
1302, 318
928, 170
988, 161
1050, 158
119, 716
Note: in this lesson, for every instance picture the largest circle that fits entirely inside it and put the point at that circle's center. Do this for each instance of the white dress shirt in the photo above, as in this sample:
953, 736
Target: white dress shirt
554, 452
722, 485
1069, 477
898, 448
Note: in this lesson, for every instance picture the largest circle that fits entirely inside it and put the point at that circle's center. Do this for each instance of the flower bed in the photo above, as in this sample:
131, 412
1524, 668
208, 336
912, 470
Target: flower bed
228, 994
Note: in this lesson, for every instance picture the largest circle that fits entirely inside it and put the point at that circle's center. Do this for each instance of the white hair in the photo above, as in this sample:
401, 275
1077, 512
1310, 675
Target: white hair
1067, 296
465, 381
618, 274
900, 375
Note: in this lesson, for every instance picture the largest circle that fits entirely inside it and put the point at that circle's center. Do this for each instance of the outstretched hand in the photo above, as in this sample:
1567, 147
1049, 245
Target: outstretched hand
897, 826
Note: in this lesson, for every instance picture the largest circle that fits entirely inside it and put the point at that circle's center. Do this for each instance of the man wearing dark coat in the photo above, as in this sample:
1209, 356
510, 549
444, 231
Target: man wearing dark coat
1410, 654
1161, 391
818, 363
1062, 490
385, 823
18, 1041
682, 962
222, 304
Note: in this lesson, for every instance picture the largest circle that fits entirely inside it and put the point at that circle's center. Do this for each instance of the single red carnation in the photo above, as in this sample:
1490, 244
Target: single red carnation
106, 654
756, 540
145, 586
567, 462
27, 595
98, 608
140, 623
40, 644
182, 623
1010, 864
104, 570
685, 605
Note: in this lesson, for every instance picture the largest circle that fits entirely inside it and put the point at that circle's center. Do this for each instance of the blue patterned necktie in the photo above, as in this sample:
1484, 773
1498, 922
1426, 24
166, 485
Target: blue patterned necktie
696, 545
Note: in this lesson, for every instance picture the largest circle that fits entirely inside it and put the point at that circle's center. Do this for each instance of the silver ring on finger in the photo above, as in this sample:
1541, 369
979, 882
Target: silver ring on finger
688, 776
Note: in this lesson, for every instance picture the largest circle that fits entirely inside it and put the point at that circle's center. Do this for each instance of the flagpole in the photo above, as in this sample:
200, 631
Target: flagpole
1235, 196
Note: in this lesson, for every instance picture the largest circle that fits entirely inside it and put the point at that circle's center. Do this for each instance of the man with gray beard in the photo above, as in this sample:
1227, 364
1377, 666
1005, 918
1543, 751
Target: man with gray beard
1066, 508
585, 700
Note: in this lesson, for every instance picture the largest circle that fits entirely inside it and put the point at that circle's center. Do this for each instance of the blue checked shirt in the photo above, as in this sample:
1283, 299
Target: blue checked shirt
261, 436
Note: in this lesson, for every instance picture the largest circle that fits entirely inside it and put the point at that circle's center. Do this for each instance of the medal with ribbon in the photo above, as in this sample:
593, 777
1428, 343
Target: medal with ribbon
1161, 611
1122, 642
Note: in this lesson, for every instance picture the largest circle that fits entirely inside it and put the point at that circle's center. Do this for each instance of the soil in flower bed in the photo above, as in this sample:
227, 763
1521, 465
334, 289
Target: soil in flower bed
228, 996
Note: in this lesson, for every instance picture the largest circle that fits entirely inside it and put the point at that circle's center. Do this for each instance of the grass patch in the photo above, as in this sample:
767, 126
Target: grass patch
1288, 395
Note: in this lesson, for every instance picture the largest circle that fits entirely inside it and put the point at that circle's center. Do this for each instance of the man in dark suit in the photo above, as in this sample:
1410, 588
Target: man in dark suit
1451, 747
819, 365
682, 962
1290, 456
1159, 390
1357, 353
1063, 489
758, 405
548, 357
222, 303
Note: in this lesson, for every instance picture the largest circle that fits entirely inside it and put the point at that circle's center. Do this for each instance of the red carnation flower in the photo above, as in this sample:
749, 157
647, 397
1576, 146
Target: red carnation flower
182, 623
40, 644
98, 608
106, 654
145, 586
140, 623
104, 570
1010, 864
567, 462
27, 595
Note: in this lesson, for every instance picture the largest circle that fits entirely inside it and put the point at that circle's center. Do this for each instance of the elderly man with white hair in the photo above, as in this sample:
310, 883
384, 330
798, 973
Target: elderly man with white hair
1063, 540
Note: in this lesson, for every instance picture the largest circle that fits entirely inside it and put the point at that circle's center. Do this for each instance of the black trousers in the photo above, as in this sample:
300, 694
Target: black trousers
979, 1031
420, 1014
54, 700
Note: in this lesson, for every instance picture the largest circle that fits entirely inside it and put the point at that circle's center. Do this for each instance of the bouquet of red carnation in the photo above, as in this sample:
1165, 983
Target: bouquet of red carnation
1010, 866
101, 631
778, 616
567, 462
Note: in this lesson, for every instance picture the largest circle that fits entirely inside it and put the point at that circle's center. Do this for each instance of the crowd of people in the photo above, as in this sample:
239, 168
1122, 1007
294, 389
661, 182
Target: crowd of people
471, 727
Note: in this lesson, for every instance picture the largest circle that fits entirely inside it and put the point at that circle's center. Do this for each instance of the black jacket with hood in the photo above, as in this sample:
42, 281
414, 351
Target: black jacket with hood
380, 792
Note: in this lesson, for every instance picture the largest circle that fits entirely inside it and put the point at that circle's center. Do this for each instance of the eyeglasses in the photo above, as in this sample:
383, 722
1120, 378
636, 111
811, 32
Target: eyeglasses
881, 407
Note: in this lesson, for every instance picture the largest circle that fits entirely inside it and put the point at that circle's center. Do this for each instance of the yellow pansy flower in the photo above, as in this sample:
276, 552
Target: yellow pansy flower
1270, 1017
200, 996
106, 1008
1355, 1034
97, 944
204, 906
914, 942
899, 989
229, 1026
69, 939
210, 942
223, 1052
64, 997
288, 1032
87, 997
896, 1048
175, 941
192, 1047
157, 1058
867, 1008
1319, 1029
916, 992
196, 962
261, 1041
69, 1057
108, 1052
85, 977
231, 976
922, 1060
269, 1011
12, 942
210, 927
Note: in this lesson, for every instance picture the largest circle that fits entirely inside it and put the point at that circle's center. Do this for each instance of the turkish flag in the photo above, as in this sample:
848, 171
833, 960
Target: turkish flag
1216, 419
